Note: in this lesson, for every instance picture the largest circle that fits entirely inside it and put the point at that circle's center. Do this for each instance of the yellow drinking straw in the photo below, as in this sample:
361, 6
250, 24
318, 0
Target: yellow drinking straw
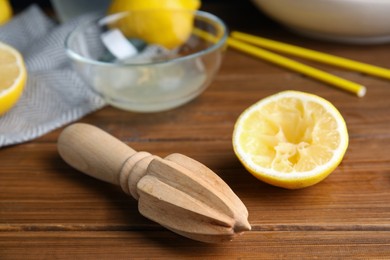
312, 55
240, 45
333, 80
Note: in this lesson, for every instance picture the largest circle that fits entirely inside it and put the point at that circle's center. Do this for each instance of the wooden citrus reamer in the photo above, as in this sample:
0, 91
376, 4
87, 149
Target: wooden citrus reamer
177, 192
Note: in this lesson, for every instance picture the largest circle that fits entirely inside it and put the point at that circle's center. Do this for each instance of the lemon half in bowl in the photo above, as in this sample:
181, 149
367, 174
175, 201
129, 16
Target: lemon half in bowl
291, 139
160, 25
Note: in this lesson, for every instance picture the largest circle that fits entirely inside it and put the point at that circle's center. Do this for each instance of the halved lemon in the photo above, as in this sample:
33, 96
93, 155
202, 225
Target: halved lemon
13, 77
291, 139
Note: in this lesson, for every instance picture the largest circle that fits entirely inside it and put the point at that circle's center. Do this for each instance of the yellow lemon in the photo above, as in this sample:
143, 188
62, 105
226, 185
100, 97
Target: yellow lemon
5, 11
291, 139
164, 22
13, 77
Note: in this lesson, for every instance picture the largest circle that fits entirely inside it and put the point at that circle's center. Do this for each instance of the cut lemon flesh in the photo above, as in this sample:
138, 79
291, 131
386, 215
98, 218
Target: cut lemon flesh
12, 77
291, 139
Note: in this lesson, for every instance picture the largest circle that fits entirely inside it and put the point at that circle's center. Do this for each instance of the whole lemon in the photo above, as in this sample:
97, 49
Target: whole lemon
5, 11
164, 22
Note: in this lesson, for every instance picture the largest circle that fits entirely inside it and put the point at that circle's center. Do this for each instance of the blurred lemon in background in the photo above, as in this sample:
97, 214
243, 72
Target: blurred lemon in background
5, 11
13, 77
167, 23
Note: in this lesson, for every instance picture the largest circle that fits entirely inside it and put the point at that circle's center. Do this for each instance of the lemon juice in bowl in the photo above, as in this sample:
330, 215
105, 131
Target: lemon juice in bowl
151, 88
138, 72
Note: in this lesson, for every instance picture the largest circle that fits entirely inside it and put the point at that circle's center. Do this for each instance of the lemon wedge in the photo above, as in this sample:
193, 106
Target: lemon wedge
5, 11
167, 23
13, 77
291, 139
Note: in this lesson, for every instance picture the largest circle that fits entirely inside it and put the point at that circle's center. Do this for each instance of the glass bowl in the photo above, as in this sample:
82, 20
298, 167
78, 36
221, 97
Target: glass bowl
148, 61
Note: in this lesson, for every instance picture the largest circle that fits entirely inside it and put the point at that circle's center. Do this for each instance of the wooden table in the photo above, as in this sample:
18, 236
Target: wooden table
49, 210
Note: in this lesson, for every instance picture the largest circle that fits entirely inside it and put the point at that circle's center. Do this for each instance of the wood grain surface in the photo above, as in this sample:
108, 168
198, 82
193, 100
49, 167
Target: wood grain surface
50, 211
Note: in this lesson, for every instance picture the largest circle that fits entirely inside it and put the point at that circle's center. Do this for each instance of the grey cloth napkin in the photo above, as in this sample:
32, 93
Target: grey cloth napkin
55, 94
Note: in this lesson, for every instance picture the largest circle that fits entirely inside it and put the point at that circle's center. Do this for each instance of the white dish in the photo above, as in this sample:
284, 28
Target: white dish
350, 21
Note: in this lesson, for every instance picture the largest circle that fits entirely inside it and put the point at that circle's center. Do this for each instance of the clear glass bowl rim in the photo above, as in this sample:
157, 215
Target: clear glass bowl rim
76, 56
